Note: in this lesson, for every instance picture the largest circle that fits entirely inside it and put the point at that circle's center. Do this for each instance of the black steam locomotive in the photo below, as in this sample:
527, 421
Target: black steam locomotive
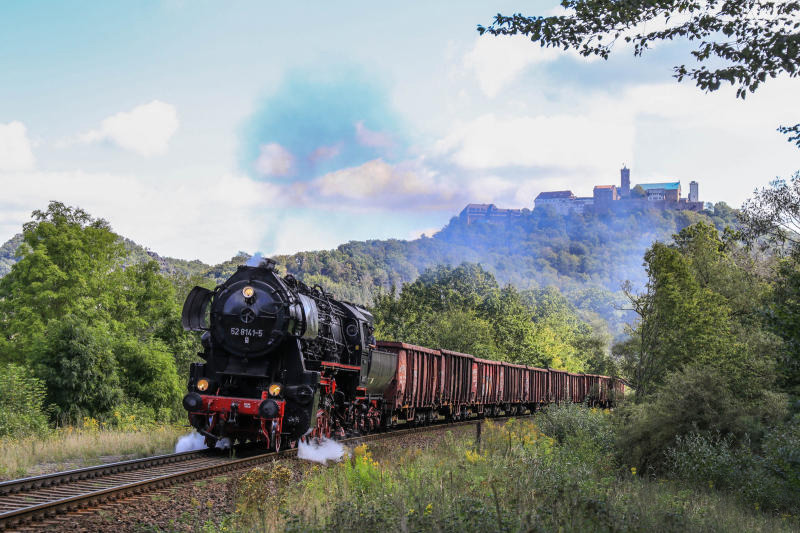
282, 361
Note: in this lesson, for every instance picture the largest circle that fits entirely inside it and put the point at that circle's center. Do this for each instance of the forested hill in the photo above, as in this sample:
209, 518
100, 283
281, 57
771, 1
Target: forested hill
586, 256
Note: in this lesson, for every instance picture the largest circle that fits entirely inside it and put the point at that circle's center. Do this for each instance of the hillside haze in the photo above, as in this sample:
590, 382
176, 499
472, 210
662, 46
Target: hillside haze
587, 256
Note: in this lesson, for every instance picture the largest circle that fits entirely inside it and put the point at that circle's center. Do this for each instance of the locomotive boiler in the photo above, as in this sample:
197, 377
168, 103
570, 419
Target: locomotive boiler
282, 360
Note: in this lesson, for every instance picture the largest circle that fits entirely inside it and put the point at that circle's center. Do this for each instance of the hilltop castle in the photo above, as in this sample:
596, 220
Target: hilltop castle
604, 199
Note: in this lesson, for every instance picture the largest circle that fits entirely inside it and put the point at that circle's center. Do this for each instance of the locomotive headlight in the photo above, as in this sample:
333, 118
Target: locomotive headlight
202, 384
274, 389
248, 292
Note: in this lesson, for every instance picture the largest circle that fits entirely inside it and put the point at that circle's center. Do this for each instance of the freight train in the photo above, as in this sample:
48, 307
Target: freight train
284, 361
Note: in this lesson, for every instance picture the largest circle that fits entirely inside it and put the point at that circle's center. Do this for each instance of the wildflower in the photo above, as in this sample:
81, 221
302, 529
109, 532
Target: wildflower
710, 484
210, 504
360, 450
633, 470
429, 509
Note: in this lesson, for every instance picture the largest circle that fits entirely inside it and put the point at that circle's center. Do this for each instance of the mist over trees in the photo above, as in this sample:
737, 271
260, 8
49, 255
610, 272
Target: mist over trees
464, 309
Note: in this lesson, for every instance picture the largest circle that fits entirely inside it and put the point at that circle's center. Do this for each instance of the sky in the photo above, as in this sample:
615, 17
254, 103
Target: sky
200, 129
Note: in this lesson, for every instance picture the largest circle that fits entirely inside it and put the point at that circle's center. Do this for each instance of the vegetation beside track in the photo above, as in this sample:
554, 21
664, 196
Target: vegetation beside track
561, 471
89, 443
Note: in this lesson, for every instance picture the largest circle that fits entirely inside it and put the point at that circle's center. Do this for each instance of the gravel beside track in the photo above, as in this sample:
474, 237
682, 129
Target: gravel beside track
107, 496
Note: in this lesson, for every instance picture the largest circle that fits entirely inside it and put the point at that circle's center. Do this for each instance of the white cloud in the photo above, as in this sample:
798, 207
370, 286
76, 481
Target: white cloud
497, 60
15, 147
408, 185
145, 129
209, 218
274, 160
582, 140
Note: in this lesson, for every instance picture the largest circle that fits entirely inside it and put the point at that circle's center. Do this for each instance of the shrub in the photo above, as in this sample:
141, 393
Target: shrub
770, 480
21, 402
570, 421
79, 369
698, 400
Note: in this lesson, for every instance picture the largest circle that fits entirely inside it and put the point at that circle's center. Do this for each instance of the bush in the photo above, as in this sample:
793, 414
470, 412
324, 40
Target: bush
21, 402
699, 400
770, 480
149, 374
570, 421
79, 369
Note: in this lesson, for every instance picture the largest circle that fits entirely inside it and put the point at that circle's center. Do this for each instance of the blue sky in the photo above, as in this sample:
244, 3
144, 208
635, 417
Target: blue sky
200, 129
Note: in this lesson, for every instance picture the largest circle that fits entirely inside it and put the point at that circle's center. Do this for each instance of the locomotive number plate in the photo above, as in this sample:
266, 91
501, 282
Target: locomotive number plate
247, 332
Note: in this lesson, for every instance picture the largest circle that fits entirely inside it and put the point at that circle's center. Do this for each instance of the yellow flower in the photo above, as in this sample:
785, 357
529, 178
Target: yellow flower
633, 470
429, 509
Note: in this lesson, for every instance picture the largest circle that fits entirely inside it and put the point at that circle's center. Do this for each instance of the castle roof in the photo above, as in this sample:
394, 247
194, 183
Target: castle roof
605, 186
671, 186
552, 195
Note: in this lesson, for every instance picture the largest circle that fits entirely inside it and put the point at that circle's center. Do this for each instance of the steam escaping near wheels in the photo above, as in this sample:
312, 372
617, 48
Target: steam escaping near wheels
320, 450
191, 442
223, 444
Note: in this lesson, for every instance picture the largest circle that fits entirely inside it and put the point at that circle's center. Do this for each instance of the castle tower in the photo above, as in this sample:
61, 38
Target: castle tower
625, 182
694, 195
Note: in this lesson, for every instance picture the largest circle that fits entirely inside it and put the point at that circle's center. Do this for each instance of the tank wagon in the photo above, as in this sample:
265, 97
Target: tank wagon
284, 361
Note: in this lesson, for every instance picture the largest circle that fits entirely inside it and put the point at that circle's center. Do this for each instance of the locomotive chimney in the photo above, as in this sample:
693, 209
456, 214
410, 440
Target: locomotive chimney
267, 263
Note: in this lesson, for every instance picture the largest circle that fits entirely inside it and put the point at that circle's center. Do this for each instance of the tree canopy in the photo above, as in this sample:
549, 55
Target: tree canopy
464, 309
740, 42
96, 332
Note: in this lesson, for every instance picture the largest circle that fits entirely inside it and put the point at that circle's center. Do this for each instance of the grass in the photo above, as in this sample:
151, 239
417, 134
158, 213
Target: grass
521, 479
69, 447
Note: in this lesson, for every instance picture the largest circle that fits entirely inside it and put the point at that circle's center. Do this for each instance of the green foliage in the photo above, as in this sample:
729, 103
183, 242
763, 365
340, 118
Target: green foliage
464, 309
77, 364
95, 331
22, 398
148, 373
770, 480
701, 305
569, 422
519, 479
694, 399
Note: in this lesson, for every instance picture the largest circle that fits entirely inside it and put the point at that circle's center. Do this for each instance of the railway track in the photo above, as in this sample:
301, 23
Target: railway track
28, 500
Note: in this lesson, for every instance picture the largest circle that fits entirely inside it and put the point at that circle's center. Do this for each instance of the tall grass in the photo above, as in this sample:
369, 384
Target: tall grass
558, 473
72, 447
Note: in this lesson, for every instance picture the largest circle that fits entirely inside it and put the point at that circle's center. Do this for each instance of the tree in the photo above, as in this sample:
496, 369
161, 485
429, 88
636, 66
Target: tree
464, 309
741, 42
771, 219
773, 214
78, 366
65, 259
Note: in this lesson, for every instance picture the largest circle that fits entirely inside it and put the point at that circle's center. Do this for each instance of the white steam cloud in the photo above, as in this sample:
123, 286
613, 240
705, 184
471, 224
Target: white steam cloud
320, 451
191, 442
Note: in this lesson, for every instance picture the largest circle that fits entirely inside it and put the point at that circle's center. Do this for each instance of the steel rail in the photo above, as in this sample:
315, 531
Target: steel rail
32, 508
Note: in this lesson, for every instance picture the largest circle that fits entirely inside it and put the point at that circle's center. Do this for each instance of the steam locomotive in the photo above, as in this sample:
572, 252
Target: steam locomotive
285, 361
